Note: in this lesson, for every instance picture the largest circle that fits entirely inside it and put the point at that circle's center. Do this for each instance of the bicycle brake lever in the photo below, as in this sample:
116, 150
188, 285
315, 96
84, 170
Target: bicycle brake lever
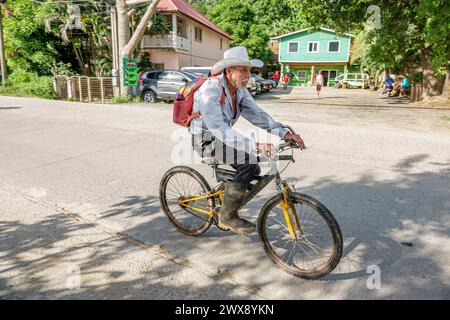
293, 182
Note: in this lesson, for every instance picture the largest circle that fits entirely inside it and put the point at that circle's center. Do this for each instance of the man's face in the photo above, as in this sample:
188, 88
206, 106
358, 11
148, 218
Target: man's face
239, 76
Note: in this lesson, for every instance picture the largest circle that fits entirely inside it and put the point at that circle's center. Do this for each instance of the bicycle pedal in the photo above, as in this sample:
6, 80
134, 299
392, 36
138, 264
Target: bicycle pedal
216, 212
222, 227
216, 222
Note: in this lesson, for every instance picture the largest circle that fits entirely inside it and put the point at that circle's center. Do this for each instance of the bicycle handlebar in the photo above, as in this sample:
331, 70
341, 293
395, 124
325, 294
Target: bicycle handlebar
285, 145
290, 129
285, 158
281, 147
291, 144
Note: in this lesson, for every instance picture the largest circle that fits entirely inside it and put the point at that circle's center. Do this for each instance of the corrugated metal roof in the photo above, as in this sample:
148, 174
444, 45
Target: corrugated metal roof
303, 30
186, 9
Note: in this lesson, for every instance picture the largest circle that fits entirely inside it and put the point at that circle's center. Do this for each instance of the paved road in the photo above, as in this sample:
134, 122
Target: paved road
79, 195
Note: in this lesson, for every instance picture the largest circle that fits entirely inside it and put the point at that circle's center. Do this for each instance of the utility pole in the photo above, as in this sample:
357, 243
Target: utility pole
123, 36
2, 47
126, 43
115, 52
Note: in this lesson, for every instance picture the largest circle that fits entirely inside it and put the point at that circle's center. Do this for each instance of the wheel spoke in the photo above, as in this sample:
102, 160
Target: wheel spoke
184, 184
314, 248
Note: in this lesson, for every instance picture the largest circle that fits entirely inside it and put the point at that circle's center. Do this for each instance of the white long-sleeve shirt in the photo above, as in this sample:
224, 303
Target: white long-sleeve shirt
217, 120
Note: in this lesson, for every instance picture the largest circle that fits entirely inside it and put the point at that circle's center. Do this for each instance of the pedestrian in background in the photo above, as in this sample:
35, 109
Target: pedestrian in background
276, 77
285, 81
319, 84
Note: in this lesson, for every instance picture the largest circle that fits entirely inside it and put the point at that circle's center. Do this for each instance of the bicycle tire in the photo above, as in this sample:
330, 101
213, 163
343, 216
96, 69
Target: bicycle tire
196, 176
324, 213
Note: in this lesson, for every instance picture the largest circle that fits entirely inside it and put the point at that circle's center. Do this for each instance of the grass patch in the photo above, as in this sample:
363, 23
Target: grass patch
121, 99
25, 84
125, 99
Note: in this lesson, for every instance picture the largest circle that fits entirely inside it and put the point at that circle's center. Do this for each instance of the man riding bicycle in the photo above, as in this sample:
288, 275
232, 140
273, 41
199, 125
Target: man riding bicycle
213, 136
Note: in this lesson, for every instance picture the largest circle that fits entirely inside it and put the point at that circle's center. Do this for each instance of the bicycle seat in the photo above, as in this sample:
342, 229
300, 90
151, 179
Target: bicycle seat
213, 163
210, 161
224, 172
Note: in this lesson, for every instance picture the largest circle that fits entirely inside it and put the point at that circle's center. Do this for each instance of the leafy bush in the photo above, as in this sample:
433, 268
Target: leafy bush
62, 69
417, 77
122, 99
28, 84
21, 75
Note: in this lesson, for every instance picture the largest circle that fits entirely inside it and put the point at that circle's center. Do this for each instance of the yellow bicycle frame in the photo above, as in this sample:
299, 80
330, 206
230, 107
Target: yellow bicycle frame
286, 206
184, 203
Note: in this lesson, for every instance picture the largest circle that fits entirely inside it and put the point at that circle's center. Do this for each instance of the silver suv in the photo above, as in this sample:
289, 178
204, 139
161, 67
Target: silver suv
205, 71
162, 84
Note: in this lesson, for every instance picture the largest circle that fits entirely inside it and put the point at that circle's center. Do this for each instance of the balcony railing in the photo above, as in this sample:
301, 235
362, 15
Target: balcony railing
165, 41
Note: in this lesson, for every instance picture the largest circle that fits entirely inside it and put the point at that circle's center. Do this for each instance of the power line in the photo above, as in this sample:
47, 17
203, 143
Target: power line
84, 3
74, 2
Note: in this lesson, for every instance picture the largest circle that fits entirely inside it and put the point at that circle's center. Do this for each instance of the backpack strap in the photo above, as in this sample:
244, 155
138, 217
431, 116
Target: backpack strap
198, 84
223, 95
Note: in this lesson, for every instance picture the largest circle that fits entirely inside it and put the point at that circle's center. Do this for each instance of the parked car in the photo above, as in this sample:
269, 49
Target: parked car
357, 80
259, 87
162, 84
266, 85
253, 88
273, 84
206, 71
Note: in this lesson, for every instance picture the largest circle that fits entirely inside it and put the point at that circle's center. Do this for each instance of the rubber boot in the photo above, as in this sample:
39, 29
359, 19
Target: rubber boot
234, 196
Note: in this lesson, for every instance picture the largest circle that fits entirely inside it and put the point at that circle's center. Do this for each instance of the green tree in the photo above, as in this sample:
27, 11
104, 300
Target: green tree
28, 47
203, 6
251, 23
437, 36
411, 33
89, 38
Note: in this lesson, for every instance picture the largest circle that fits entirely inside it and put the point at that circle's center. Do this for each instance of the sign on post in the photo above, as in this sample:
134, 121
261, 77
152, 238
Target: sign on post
130, 72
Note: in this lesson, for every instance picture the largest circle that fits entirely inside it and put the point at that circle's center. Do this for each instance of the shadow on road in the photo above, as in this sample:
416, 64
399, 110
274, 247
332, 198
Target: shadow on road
9, 108
380, 216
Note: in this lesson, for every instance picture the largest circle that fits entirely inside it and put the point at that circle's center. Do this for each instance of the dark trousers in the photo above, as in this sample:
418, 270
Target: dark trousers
245, 164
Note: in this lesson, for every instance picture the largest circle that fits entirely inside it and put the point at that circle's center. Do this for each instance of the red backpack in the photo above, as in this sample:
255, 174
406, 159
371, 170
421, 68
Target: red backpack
184, 102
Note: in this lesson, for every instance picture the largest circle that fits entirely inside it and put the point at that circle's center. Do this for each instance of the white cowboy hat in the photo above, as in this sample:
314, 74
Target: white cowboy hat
236, 56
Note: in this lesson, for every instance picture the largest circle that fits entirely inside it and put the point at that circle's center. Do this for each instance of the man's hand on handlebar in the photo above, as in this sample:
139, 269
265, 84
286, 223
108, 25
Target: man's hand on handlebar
296, 139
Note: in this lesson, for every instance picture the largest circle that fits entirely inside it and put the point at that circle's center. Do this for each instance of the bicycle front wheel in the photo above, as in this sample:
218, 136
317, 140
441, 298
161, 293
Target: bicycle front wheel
317, 247
181, 183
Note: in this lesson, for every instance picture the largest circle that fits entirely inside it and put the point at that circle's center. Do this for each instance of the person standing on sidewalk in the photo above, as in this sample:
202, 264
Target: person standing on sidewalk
319, 84
285, 81
276, 77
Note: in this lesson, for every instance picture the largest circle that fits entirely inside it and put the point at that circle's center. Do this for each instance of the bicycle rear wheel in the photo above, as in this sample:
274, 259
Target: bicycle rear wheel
180, 183
318, 247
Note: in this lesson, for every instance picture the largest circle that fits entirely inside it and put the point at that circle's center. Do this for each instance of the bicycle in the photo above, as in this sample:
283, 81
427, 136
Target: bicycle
193, 206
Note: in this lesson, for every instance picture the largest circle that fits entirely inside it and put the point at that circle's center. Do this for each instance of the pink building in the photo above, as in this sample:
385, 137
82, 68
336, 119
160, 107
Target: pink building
194, 41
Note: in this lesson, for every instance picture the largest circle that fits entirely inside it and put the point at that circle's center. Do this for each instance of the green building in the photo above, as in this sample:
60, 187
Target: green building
304, 52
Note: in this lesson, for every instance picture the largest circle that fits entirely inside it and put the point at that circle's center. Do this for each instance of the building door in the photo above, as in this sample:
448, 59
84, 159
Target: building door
325, 74
328, 74
332, 76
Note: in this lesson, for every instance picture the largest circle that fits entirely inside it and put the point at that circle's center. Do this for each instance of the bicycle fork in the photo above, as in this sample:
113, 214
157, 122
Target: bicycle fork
287, 206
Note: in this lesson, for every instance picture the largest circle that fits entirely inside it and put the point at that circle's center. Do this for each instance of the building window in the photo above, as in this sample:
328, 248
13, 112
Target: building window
221, 45
198, 34
293, 47
301, 74
334, 46
313, 46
